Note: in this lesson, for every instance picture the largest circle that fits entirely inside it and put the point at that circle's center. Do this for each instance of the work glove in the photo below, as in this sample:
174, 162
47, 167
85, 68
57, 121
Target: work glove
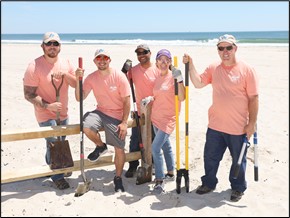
145, 101
176, 73
127, 66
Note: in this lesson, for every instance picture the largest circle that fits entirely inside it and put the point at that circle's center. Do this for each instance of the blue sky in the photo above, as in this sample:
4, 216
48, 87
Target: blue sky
144, 16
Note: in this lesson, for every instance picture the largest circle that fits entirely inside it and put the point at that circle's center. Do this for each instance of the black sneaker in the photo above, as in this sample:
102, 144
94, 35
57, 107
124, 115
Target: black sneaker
203, 190
94, 156
118, 184
236, 195
131, 172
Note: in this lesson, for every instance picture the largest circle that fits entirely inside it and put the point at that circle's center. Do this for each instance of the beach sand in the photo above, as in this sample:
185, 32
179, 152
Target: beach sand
38, 197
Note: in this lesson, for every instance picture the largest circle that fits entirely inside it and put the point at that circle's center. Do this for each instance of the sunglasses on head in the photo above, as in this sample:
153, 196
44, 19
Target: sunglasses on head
105, 58
145, 52
52, 43
220, 48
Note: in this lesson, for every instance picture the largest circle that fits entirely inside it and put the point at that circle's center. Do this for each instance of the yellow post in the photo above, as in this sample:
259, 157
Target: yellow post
177, 118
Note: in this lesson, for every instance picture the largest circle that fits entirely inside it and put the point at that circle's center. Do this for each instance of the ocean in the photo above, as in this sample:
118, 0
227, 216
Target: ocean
259, 38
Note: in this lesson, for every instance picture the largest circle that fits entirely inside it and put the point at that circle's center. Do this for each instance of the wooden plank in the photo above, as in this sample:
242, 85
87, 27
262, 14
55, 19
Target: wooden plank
48, 131
42, 171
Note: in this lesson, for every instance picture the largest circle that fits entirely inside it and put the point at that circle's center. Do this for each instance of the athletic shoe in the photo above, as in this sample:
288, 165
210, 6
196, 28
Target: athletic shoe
159, 187
95, 155
169, 177
236, 195
118, 184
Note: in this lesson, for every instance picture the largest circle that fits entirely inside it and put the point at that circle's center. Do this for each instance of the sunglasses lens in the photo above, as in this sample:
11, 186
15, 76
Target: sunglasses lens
52, 43
220, 48
143, 53
105, 58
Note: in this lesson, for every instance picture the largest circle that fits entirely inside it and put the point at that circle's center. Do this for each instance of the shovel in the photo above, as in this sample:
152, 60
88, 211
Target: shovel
182, 172
60, 154
84, 186
144, 173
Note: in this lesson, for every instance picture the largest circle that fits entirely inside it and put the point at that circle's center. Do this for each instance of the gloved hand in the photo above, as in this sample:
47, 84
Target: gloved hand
145, 101
176, 73
127, 66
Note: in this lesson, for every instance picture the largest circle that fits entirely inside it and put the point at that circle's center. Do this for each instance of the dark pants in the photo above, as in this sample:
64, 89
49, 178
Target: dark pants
215, 147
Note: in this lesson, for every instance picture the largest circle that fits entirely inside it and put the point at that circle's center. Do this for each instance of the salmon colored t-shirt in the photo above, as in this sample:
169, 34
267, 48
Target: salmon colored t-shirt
231, 87
143, 80
38, 74
109, 91
163, 107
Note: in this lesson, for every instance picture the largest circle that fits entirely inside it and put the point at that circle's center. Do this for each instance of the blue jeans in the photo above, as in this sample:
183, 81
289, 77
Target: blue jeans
161, 141
52, 139
215, 147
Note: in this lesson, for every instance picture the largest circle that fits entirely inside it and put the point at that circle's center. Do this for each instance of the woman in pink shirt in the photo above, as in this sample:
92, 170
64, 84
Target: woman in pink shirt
163, 116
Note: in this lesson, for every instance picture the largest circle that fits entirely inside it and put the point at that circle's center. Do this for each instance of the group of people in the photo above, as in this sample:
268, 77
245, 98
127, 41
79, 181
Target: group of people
232, 115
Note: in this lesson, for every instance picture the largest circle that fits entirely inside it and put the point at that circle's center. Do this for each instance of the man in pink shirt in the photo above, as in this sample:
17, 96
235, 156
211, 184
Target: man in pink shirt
112, 92
232, 115
143, 75
39, 90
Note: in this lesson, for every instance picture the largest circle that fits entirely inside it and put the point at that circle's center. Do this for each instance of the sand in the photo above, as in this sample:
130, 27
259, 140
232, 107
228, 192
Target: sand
38, 197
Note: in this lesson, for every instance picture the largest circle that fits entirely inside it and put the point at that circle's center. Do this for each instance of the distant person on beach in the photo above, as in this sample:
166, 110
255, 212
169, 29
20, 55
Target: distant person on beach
163, 116
112, 93
232, 115
143, 76
39, 90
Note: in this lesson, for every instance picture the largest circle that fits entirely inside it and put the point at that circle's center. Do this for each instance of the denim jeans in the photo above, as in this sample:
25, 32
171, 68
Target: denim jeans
161, 141
215, 147
52, 139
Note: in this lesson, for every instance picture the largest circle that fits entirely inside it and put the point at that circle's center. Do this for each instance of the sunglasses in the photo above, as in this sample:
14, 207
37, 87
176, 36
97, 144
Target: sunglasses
105, 58
142, 52
52, 43
220, 48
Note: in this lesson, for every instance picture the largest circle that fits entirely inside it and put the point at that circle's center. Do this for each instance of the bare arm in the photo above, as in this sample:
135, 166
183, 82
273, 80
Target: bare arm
194, 76
31, 96
181, 91
122, 127
253, 114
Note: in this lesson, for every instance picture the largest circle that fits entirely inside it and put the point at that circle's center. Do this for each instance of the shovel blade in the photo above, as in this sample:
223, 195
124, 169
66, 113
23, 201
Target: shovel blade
82, 188
60, 155
144, 174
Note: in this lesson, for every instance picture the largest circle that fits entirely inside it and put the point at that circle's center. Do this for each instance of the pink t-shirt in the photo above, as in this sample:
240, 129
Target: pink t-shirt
231, 88
143, 80
163, 107
109, 91
38, 74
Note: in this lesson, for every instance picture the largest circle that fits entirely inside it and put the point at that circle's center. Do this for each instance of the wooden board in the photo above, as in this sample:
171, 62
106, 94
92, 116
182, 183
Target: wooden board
42, 171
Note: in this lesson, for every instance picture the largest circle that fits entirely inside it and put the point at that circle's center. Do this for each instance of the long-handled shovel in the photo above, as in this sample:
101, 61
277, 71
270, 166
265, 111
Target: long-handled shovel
60, 154
182, 172
84, 186
255, 139
143, 172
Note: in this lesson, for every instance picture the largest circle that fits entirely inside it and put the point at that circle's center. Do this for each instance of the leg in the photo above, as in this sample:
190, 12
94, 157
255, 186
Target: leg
58, 179
134, 146
214, 149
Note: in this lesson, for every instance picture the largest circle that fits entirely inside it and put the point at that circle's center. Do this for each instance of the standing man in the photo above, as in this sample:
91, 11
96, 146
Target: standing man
143, 75
39, 90
232, 115
112, 92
